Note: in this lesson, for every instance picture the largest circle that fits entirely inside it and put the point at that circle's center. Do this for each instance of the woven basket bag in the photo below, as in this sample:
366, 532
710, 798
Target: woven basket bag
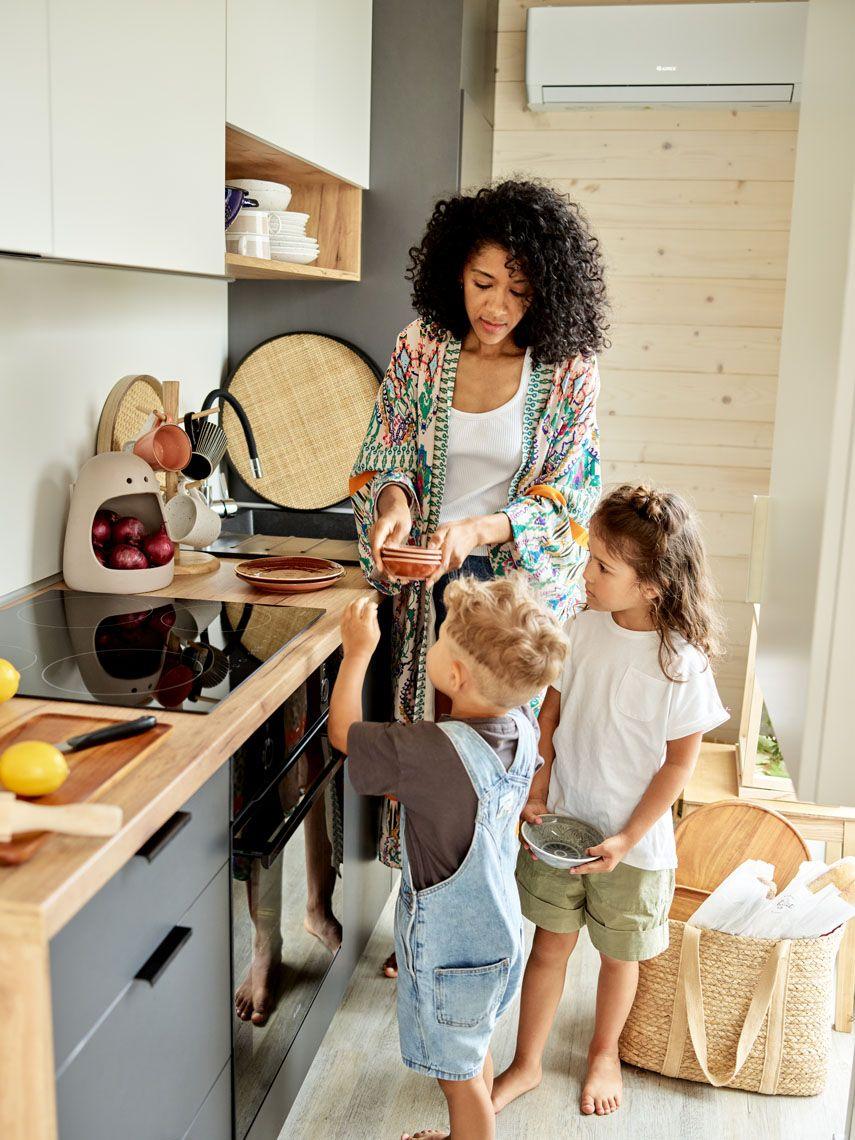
749, 1013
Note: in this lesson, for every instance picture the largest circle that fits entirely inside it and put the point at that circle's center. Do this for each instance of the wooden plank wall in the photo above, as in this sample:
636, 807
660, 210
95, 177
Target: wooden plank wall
692, 208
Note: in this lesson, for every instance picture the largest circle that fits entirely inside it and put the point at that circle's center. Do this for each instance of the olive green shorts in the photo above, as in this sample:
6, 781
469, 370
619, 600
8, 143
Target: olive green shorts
625, 910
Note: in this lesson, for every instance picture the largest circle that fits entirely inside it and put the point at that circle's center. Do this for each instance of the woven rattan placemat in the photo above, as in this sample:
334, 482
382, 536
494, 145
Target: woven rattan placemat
309, 398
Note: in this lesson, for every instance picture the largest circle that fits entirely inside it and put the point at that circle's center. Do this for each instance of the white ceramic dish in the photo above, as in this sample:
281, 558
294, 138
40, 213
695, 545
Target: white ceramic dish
281, 221
299, 243
299, 257
251, 222
269, 195
248, 245
561, 841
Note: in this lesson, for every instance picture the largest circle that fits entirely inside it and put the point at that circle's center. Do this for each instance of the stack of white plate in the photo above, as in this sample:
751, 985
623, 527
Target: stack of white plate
288, 238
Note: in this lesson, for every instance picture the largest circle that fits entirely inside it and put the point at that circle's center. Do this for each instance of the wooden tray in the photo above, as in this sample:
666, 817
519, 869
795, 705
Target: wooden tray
91, 771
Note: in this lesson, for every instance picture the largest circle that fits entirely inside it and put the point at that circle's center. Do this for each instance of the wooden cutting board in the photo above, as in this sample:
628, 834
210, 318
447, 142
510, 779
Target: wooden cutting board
91, 771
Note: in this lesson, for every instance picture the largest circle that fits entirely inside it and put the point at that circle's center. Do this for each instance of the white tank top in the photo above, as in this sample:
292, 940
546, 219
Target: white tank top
484, 454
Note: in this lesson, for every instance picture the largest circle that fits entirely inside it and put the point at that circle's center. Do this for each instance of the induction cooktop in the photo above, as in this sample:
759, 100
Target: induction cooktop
177, 654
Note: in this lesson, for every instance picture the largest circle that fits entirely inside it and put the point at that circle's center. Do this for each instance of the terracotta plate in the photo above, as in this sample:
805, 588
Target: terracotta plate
290, 575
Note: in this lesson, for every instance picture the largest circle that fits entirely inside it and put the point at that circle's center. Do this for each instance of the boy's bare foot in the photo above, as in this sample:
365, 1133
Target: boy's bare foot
255, 997
603, 1085
325, 927
514, 1082
390, 966
426, 1134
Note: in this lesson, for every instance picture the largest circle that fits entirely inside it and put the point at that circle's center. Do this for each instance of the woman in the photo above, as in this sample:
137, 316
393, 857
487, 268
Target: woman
484, 438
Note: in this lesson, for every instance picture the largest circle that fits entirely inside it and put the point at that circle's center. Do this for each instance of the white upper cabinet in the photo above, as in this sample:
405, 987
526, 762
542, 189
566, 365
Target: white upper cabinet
299, 76
137, 132
25, 203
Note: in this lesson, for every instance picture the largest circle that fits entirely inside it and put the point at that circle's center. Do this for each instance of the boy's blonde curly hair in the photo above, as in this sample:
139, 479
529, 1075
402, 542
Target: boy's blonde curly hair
513, 646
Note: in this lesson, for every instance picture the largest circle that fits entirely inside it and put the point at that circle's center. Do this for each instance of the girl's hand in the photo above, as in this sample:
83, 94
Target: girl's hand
457, 540
609, 853
360, 630
533, 812
394, 523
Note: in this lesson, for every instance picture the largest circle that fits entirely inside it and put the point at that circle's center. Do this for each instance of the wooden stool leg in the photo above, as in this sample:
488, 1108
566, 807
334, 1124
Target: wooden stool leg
845, 999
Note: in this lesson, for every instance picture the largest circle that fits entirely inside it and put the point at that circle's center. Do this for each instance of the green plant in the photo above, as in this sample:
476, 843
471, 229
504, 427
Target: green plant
769, 756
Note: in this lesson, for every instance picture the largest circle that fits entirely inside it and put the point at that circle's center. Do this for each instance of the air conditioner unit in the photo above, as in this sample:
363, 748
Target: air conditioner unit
664, 53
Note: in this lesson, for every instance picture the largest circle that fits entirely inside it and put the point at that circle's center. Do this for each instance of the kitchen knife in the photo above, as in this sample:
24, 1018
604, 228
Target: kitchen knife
109, 733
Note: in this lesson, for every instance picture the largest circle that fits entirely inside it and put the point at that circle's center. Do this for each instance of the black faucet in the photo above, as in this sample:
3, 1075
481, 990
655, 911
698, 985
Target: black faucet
222, 395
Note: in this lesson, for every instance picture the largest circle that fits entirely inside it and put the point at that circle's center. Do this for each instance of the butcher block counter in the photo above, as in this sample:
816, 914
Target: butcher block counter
39, 897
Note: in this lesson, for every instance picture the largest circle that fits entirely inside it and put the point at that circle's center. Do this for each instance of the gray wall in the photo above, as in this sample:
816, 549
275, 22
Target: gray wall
422, 135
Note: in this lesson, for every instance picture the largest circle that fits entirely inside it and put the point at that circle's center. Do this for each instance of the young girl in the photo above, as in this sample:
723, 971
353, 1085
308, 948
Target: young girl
620, 734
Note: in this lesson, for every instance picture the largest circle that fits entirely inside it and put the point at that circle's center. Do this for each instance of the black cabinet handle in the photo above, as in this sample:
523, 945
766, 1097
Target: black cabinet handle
163, 955
164, 836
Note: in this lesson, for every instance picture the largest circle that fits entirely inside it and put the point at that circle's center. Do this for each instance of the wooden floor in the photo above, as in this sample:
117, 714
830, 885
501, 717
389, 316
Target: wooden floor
357, 1087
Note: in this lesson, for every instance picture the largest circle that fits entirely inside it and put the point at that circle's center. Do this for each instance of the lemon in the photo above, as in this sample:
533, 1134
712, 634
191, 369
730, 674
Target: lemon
32, 768
9, 678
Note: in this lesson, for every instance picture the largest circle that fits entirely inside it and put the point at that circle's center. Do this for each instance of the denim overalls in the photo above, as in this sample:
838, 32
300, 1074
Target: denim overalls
460, 943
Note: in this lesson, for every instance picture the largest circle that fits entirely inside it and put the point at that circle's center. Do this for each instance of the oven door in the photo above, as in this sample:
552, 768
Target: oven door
286, 906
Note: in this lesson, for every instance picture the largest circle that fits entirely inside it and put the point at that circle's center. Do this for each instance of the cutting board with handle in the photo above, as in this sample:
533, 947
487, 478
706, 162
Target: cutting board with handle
91, 771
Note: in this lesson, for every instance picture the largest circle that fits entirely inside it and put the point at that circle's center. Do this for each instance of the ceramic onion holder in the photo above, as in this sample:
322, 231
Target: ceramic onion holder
122, 482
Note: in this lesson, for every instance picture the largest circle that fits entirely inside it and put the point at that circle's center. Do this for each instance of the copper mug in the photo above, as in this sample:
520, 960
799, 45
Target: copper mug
164, 448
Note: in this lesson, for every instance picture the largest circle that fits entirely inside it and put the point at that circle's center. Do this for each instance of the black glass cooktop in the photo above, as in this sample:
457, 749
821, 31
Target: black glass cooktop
184, 655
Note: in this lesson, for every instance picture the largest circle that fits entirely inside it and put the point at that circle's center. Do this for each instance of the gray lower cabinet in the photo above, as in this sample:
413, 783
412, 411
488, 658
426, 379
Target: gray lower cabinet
213, 1121
93, 958
150, 1064
141, 985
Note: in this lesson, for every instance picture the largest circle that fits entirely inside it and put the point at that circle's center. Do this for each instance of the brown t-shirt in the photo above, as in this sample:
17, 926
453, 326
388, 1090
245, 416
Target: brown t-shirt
420, 767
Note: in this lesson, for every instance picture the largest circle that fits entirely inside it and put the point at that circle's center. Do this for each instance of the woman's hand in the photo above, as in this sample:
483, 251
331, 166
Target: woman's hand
360, 629
394, 522
533, 812
456, 540
609, 853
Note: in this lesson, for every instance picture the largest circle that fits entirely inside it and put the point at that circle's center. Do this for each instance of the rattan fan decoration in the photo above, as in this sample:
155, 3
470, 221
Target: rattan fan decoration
309, 398
129, 404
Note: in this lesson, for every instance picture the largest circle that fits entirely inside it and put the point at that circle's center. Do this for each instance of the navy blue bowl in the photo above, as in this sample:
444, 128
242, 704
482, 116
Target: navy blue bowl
234, 201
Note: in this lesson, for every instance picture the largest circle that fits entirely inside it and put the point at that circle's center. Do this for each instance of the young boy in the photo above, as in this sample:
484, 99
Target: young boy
461, 784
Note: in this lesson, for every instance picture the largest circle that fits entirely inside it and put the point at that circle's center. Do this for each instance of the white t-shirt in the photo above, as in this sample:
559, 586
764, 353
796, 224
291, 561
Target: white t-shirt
484, 454
618, 711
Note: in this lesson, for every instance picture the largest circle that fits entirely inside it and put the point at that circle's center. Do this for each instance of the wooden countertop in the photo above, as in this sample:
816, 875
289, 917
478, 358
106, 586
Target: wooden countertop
67, 871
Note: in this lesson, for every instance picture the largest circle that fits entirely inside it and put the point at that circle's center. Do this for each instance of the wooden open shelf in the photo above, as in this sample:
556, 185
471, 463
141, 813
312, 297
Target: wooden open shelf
264, 269
333, 205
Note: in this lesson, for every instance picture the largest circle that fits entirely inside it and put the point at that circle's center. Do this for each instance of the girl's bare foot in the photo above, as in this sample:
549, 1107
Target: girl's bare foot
513, 1082
390, 966
603, 1085
325, 927
426, 1134
255, 997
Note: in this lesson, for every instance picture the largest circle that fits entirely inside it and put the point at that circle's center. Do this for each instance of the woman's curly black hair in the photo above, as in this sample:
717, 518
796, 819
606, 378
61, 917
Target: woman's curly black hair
547, 237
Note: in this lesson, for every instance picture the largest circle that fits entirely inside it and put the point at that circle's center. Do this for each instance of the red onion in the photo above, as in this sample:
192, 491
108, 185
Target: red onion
158, 548
101, 527
163, 619
175, 685
101, 555
127, 557
128, 530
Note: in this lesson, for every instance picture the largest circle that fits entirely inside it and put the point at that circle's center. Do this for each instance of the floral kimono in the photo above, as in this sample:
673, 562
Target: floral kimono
551, 497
